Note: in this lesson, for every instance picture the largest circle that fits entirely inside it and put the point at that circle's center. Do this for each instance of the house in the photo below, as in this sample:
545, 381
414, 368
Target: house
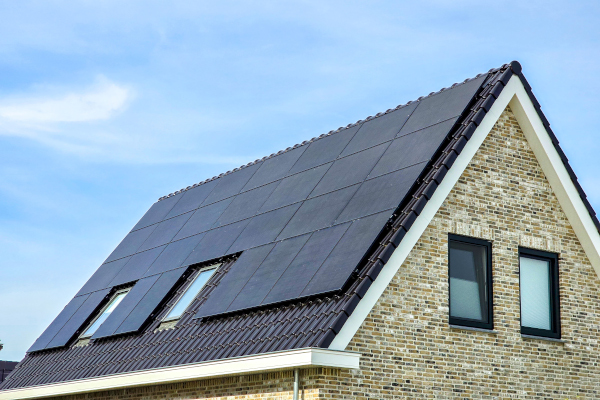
6, 367
440, 249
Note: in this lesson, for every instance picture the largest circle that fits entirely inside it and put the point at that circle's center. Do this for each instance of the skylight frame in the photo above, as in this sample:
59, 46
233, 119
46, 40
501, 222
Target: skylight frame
167, 317
114, 297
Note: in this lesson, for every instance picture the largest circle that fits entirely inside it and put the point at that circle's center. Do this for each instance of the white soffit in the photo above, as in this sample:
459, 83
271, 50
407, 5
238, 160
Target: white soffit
515, 95
288, 359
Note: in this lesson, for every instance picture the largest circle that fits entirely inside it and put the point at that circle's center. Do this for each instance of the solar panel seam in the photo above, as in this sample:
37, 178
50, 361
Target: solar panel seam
333, 247
258, 164
261, 264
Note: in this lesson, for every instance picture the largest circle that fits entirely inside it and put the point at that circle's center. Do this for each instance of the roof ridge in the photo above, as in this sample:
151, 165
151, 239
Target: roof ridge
331, 132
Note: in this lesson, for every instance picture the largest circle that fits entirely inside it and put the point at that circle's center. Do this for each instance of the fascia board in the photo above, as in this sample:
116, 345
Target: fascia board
282, 360
557, 175
515, 95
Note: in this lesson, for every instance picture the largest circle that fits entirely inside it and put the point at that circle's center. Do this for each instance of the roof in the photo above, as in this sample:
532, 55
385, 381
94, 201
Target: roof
292, 280
6, 368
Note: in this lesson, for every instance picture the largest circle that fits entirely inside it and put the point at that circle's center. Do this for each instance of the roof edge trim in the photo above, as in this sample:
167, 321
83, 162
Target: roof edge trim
280, 360
517, 96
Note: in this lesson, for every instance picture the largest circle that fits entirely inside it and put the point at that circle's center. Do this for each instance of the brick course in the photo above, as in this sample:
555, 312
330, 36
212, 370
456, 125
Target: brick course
409, 350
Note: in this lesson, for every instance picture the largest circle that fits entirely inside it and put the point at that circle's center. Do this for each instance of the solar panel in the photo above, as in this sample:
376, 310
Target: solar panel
76, 323
382, 193
346, 255
274, 168
174, 255
318, 212
246, 204
263, 228
306, 263
58, 323
157, 212
103, 275
203, 219
136, 267
192, 199
442, 106
119, 314
131, 243
267, 274
412, 148
379, 130
215, 243
324, 150
165, 231
295, 188
349, 170
151, 300
235, 279
231, 184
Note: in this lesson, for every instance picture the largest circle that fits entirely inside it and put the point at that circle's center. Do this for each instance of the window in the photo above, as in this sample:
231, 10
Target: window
540, 310
108, 309
190, 293
470, 282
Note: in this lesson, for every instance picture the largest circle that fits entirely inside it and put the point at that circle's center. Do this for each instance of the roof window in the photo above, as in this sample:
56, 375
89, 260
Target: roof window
104, 314
190, 293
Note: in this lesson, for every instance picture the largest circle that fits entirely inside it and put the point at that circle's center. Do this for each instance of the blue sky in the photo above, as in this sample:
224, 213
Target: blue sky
106, 106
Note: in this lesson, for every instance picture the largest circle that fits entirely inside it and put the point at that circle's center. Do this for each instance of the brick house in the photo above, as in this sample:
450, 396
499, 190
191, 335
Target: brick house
441, 249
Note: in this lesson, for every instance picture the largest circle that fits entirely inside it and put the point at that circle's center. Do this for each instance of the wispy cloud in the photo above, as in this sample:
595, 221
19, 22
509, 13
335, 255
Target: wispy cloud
99, 102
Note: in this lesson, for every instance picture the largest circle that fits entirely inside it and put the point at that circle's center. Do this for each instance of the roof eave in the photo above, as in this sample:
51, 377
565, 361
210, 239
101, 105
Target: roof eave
280, 360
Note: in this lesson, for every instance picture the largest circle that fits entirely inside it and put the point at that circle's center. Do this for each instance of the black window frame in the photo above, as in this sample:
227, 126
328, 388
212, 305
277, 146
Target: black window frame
555, 331
489, 325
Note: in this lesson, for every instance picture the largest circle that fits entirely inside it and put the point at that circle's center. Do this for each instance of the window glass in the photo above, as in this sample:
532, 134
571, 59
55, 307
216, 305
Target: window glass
470, 282
190, 294
535, 293
540, 308
107, 311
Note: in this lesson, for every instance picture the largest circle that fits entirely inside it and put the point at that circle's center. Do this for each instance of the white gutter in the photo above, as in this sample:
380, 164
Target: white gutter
281, 360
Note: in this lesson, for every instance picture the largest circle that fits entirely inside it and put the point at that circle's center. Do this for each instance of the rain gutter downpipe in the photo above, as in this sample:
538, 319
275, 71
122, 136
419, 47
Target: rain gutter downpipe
296, 384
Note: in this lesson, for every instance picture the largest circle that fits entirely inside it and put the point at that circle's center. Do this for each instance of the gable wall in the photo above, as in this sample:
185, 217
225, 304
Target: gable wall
409, 349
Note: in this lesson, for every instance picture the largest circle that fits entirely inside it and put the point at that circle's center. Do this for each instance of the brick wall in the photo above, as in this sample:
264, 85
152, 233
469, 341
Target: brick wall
408, 349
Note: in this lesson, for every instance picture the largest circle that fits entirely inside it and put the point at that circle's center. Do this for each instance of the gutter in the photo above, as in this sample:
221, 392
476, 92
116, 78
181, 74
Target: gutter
269, 362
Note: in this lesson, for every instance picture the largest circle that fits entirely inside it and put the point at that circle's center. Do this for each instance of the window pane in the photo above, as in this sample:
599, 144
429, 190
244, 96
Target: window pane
468, 281
112, 305
535, 294
190, 294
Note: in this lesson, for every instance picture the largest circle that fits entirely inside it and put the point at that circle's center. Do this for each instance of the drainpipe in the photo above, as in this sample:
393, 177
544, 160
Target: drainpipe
296, 384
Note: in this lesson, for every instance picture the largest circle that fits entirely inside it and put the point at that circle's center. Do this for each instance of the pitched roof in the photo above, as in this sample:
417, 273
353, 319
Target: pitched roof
379, 173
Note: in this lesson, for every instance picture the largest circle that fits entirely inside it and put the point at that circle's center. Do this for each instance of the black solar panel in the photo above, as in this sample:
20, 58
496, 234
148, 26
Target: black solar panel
379, 130
131, 243
58, 323
346, 255
286, 214
103, 276
230, 185
269, 272
234, 280
77, 320
136, 266
192, 199
203, 219
122, 311
324, 150
306, 263
150, 301
274, 168
350, 170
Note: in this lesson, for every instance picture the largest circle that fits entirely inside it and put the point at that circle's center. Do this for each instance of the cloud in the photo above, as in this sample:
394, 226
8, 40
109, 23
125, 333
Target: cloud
100, 102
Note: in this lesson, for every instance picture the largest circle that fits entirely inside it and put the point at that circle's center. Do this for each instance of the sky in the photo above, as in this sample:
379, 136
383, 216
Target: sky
105, 106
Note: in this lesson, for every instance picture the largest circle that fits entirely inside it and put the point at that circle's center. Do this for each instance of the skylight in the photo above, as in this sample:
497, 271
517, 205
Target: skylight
190, 294
105, 313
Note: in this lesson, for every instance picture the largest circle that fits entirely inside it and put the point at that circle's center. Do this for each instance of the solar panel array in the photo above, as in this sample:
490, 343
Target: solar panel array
302, 220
